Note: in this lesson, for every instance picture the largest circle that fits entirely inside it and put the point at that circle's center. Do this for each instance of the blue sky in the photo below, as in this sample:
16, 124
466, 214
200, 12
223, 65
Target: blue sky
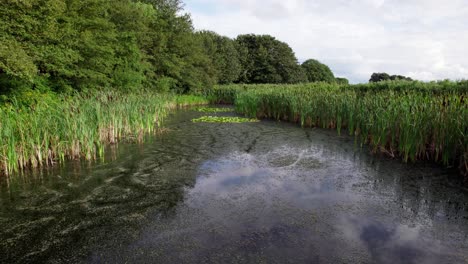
423, 39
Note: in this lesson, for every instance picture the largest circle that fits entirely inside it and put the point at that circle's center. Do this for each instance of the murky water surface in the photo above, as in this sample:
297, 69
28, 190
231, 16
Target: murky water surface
235, 193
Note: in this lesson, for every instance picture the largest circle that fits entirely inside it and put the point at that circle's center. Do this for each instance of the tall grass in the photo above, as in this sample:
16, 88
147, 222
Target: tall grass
56, 128
411, 120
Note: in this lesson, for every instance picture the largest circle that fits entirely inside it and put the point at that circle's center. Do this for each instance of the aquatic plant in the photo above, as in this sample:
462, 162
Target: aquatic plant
60, 128
224, 119
214, 110
410, 120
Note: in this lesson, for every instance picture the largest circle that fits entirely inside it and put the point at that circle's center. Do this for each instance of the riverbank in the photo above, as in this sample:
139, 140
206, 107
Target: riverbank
50, 128
412, 121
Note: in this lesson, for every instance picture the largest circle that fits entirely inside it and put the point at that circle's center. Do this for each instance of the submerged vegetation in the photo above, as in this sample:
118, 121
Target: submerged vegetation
56, 128
410, 120
224, 119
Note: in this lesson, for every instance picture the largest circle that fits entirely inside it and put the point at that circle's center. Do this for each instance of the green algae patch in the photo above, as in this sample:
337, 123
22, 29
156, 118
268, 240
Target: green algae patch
224, 119
214, 110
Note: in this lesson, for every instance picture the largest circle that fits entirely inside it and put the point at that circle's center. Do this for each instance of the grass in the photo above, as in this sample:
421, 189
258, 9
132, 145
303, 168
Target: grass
55, 128
410, 120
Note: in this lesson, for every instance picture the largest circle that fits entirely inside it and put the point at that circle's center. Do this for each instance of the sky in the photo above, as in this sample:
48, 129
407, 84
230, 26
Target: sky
422, 39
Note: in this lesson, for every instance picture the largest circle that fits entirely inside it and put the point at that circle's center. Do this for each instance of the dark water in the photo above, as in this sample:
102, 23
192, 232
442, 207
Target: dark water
235, 193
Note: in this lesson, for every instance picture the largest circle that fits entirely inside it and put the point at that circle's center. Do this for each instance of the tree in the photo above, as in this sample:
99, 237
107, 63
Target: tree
298, 75
35, 38
379, 77
223, 55
65, 45
341, 81
176, 56
74, 44
14, 60
197, 71
266, 60
317, 71
400, 77
96, 44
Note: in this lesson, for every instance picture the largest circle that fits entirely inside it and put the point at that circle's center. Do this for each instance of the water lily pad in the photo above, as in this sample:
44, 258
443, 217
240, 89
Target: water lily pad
223, 119
214, 110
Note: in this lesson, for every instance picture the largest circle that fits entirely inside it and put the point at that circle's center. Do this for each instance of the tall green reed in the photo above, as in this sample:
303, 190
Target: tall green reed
411, 120
61, 128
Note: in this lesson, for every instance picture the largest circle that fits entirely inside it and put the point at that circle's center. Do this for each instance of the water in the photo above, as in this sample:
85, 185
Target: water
263, 192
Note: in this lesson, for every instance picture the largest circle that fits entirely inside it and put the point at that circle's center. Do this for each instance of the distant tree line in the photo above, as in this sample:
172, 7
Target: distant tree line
66, 45
379, 77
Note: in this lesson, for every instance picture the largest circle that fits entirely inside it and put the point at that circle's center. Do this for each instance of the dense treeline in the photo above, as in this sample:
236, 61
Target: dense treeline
383, 76
223, 55
84, 44
67, 45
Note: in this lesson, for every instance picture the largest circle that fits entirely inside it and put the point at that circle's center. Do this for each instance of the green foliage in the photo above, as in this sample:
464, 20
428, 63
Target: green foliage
165, 84
224, 57
172, 50
298, 75
198, 74
379, 77
14, 60
224, 119
341, 81
129, 45
411, 120
39, 129
189, 100
267, 60
96, 44
125, 48
24, 97
317, 71
214, 110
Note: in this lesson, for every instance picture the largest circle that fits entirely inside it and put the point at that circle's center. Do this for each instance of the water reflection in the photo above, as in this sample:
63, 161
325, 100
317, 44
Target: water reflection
310, 206
245, 193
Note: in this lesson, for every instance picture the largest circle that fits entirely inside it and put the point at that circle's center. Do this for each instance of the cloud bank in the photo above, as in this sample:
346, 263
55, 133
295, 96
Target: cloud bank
423, 39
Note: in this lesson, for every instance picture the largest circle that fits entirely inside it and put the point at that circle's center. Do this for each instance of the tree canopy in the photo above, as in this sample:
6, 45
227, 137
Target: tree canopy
317, 71
83, 44
378, 77
66, 45
265, 59
223, 56
342, 81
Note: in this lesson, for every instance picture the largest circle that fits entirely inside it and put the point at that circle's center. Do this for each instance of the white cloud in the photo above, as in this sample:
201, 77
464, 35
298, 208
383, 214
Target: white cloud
424, 39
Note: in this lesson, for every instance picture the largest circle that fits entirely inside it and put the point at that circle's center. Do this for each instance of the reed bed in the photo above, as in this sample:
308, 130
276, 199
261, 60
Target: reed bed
410, 120
53, 130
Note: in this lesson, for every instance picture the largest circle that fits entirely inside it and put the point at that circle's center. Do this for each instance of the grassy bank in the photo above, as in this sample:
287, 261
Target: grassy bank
50, 128
410, 120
